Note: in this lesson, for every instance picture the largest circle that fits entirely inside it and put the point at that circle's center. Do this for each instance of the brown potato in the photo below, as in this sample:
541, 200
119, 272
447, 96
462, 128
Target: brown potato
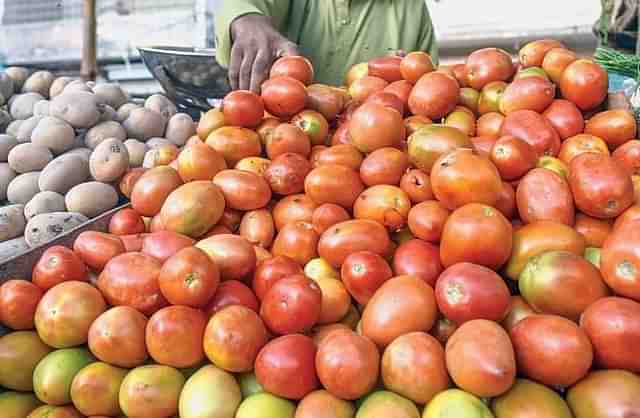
22, 188
21, 106
91, 198
41, 108
123, 111
55, 134
180, 128
7, 142
39, 82
143, 124
12, 222
44, 202
109, 161
28, 157
79, 108
43, 228
6, 88
102, 131
77, 85
162, 105
64, 172
137, 151
58, 86
111, 94
13, 128
157, 142
26, 129
6, 176
19, 75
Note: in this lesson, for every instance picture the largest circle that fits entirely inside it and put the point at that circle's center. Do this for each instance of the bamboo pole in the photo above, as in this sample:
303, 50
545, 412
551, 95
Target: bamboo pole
89, 66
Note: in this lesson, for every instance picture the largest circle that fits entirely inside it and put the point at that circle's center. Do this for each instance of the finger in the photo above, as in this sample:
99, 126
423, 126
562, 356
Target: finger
244, 80
234, 65
260, 69
287, 49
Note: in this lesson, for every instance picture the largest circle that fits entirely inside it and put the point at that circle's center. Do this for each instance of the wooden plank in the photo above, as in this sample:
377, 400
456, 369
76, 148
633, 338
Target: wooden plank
21, 265
89, 67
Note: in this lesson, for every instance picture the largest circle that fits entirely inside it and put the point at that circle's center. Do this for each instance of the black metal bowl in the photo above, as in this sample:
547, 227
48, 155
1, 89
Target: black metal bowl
191, 77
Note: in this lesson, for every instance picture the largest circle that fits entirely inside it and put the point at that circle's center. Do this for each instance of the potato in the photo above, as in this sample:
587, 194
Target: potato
102, 131
77, 85
43, 228
26, 129
161, 104
180, 128
83, 152
157, 142
91, 198
22, 188
24, 158
12, 222
55, 134
63, 173
6, 175
39, 82
44, 202
5, 120
19, 75
58, 86
79, 108
123, 111
21, 106
111, 94
7, 88
136, 150
41, 108
13, 128
109, 161
12, 248
7, 142
107, 113
143, 124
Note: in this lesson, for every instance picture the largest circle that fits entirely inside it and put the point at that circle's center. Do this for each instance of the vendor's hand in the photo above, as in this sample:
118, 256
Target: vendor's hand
256, 44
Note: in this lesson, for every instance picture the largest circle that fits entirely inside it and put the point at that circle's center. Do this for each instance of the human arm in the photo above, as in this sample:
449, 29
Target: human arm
248, 39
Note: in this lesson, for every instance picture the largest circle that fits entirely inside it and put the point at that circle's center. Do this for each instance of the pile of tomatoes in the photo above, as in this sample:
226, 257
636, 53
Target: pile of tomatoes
459, 242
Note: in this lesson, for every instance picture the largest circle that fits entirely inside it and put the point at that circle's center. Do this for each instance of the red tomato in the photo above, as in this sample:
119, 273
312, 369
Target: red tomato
174, 336
283, 96
270, 271
164, 244
126, 222
286, 366
294, 66
189, 278
58, 264
232, 292
97, 248
132, 243
242, 108
362, 273
292, 305
418, 258
18, 302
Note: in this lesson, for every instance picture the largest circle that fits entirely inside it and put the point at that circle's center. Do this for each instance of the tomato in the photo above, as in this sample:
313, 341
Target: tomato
231, 218
118, 337
413, 365
193, 209
163, 244
287, 138
387, 68
126, 222
257, 165
320, 401
619, 261
95, 388
294, 66
580, 144
414, 65
565, 117
151, 190
286, 173
56, 265
327, 215
272, 270
189, 278
387, 99
151, 391
388, 205
243, 190
200, 162
363, 273
542, 195
486, 65
232, 292
174, 336
313, 124
386, 318
48, 411
426, 220
527, 93
348, 365
605, 393
428, 144
283, 96
518, 310
234, 255
434, 95
513, 157
462, 176
615, 126
533, 128
209, 122
415, 123
131, 279
298, 207
601, 188
161, 156
611, 327
326, 100
480, 358
527, 398
362, 88
286, 360
344, 238
401, 89
417, 185
489, 124
551, 350
233, 338
297, 240
561, 283
18, 302
129, 180
469, 225
594, 230
258, 227
584, 83
234, 144
490, 96
242, 108
342, 154
20, 354
463, 292
556, 61
291, 305
418, 258
628, 155
66, 312
375, 126
333, 184
533, 53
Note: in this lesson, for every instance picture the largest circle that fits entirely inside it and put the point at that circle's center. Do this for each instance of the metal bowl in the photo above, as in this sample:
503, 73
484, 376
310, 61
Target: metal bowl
191, 77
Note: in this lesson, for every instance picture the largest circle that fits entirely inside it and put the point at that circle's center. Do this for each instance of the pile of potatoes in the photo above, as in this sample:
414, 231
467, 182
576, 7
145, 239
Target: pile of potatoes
64, 146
